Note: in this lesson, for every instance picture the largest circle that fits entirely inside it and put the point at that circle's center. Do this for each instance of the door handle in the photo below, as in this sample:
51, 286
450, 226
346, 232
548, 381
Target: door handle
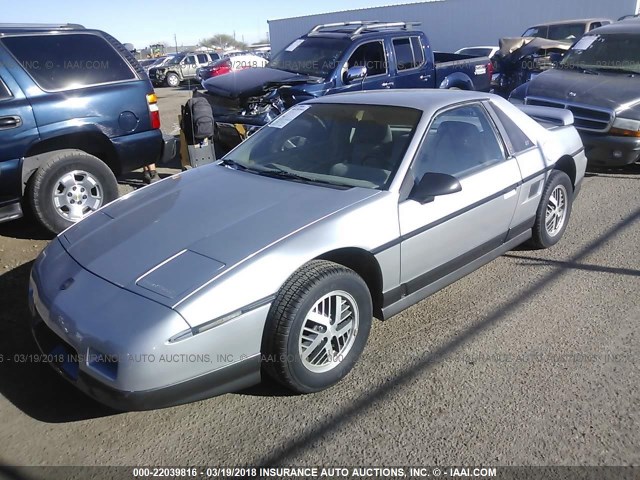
387, 84
425, 77
10, 121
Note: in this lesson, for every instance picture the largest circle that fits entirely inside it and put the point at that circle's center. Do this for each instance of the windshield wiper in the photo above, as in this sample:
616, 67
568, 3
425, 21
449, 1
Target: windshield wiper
275, 171
227, 162
587, 70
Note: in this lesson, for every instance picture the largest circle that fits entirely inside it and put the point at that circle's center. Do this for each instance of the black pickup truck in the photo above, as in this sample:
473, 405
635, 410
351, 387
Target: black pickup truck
336, 58
598, 79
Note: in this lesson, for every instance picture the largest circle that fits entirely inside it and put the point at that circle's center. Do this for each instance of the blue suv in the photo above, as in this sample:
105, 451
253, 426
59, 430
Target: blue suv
76, 109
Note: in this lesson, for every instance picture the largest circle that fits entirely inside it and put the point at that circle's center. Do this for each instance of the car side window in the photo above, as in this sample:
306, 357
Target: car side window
370, 55
518, 139
5, 93
408, 52
202, 58
67, 61
190, 60
460, 142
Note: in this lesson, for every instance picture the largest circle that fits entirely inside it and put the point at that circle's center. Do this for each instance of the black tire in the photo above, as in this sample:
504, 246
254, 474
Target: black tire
45, 180
280, 344
172, 78
541, 236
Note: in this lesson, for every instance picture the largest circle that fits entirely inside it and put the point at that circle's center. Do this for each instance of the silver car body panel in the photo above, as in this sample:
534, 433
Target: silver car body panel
191, 264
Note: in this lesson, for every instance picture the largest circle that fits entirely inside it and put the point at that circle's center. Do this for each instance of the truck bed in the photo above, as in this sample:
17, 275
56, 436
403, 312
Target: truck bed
476, 68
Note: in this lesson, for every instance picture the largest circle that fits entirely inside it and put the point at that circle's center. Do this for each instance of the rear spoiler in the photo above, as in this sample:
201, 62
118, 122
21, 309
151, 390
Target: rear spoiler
557, 116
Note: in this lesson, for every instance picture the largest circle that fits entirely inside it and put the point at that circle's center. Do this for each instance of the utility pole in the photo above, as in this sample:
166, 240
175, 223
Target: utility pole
175, 40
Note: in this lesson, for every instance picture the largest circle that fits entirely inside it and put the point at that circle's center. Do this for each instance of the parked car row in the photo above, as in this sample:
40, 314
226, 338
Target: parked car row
337, 58
598, 81
180, 68
589, 67
231, 62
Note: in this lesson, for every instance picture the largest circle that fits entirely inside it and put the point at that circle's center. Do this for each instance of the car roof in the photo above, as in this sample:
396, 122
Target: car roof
626, 26
567, 22
428, 101
15, 28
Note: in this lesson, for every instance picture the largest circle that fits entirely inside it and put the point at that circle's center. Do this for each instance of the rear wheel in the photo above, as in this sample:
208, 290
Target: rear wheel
554, 211
68, 186
317, 327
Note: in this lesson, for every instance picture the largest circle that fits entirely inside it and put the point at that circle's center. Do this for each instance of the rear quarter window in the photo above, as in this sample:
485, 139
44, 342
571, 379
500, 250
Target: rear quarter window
68, 61
4, 91
518, 139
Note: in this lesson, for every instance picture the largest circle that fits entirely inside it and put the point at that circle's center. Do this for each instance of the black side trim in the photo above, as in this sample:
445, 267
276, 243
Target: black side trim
464, 210
580, 150
442, 220
437, 273
537, 174
412, 299
520, 229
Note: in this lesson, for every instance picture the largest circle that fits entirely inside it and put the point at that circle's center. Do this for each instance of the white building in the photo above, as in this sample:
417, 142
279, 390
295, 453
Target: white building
453, 24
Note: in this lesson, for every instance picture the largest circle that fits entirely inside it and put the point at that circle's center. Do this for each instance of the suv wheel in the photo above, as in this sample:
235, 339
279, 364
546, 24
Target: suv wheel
172, 80
69, 185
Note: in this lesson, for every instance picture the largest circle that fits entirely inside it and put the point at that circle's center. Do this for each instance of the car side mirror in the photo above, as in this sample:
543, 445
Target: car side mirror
556, 57
434, 185
355, 73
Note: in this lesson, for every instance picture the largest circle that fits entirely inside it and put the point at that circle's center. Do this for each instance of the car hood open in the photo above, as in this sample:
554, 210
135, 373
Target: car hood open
166, 240
606, 90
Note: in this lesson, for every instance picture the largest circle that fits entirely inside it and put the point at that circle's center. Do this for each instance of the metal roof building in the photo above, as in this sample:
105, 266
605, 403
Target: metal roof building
453, 24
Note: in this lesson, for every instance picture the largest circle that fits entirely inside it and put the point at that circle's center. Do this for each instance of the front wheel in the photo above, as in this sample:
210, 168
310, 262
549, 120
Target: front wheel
68, 186
554, 211
317, 327
172, 80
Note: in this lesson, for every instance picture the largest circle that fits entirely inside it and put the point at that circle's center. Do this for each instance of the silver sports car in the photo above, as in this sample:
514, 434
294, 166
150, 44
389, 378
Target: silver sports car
275, 259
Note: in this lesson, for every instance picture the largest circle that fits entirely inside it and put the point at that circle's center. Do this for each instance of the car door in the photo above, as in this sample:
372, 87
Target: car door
189, 66
443, 235
410, 63
372, 55
17, 131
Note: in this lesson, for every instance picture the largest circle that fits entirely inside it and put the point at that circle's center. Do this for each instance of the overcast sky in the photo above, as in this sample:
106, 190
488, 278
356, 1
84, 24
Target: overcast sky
146, 22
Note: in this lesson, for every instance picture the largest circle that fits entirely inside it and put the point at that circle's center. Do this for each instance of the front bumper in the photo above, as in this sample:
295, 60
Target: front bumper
610, 151
65, 361
129, 352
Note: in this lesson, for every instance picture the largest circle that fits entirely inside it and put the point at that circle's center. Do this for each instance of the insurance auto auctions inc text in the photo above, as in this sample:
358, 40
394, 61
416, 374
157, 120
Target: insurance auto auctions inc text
374, 472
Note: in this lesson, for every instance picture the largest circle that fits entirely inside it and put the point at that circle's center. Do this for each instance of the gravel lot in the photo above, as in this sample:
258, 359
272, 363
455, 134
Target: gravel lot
532, 360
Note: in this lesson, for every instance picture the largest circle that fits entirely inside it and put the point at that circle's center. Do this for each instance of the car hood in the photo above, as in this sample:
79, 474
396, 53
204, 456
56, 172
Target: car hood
612, 91
250, 82
166, 240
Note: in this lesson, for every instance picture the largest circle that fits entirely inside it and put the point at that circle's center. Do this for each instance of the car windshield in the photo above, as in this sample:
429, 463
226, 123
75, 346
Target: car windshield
614, 52
569, 32
339, 144
174, 60
317, 57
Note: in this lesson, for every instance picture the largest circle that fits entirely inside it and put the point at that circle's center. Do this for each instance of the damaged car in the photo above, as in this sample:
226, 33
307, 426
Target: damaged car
337, 58
520, 60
